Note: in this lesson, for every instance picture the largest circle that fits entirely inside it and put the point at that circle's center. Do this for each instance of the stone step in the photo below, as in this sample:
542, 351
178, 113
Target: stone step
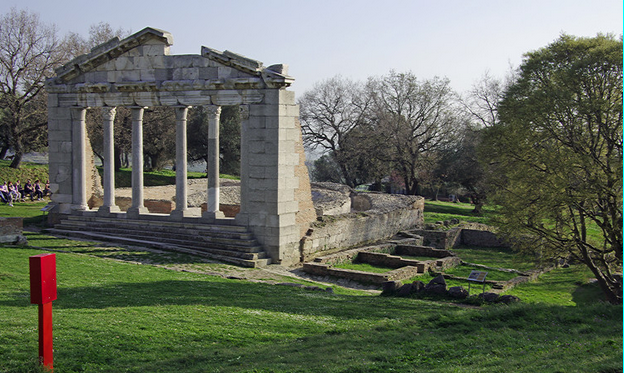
252, 260
223, 242
232, 245
218, 228
245, 240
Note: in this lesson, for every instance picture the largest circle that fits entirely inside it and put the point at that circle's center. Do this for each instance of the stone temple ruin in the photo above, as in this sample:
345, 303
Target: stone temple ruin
277, 217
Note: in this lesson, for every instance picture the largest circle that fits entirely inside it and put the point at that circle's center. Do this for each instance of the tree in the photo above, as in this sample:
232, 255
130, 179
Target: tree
229, 138
557, 154
413, 118
326, 170
76, 45
159, 138
481, 102
329, 113
460, 165
29, 51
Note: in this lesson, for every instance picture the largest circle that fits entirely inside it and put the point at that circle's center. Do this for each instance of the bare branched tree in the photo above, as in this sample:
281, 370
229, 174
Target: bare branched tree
330, 112
414, 118
29, 51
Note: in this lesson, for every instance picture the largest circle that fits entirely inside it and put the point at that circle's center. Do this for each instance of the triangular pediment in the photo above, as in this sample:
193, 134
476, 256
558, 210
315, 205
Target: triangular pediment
141, 62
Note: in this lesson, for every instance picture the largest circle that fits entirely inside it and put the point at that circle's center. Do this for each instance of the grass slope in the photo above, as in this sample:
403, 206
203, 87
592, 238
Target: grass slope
113, 316
26, 171
440, 211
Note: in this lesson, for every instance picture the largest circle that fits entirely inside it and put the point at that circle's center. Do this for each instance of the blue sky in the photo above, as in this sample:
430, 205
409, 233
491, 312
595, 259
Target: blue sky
319, 39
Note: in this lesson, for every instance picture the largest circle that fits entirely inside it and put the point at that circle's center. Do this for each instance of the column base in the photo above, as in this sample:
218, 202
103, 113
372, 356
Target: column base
211, 216
80, 208
193, 212
108, 210
134, 212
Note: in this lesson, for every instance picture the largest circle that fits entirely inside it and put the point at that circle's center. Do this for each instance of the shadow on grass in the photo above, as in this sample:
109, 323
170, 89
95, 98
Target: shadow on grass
220, 293
588, 294
112, 251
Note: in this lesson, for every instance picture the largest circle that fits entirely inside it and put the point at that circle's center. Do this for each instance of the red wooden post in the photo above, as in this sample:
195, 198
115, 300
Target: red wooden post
43, 292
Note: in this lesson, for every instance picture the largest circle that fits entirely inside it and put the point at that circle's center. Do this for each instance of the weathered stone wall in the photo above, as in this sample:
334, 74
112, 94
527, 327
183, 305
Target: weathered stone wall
332, 233
11, 230
440, 239
303, 193
470, 234
483, 238
360, 276
417, 250
388, 260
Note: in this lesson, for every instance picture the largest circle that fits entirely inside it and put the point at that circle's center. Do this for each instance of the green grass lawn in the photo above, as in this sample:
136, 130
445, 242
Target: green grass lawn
441, 211
495, 257
26, 171
366, 267
464, 271
123, 177
112, 316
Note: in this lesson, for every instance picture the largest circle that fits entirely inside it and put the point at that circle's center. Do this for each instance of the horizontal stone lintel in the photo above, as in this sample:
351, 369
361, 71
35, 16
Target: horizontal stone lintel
161, 98
155, 85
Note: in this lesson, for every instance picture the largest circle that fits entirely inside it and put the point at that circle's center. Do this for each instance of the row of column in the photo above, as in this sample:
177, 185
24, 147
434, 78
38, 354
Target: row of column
80, 167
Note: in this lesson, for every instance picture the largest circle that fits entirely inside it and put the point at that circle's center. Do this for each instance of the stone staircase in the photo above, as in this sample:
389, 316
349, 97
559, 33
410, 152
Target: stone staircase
227, 243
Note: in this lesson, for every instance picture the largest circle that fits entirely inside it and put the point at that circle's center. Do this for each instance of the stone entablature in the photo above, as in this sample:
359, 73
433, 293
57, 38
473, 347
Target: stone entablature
138, 72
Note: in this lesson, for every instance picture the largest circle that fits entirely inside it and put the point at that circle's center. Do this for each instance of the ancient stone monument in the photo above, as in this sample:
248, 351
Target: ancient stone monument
138, 72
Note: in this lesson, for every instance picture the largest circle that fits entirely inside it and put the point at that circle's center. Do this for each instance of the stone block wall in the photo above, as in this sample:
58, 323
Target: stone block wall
440, 239
483, 238
388, 260
360, 276
417, 250
332, 233
11, 230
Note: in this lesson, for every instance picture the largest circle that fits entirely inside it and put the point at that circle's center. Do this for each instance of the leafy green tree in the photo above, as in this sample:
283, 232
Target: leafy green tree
326, 170
557, 153
459, 165
229, 138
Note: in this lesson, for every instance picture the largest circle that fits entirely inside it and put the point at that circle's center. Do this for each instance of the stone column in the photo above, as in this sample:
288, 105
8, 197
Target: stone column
212, 202
137, 164
108, 205
79, 159
181, 209
242, 217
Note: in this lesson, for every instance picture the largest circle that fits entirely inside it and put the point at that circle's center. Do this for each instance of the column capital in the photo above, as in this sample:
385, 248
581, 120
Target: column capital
78, 113
109, 112
137, 112
214, 110
181, 112
244, 111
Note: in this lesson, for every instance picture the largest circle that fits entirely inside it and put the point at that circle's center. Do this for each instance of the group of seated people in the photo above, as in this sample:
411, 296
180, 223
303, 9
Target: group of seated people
10, 192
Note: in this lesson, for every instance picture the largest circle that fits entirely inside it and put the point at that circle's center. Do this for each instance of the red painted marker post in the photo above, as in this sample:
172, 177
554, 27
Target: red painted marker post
43, 292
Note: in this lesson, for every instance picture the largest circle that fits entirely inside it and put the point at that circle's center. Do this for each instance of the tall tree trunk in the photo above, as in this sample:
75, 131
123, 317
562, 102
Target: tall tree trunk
3, 151
17, 160
117, 157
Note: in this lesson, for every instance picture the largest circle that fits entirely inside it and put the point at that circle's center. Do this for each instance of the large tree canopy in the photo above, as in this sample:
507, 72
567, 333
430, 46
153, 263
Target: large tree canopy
415, 119
29, 50
557, 152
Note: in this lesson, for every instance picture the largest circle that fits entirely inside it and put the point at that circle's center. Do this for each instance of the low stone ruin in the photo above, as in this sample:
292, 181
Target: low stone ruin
385, 255
437, 287
11, 231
